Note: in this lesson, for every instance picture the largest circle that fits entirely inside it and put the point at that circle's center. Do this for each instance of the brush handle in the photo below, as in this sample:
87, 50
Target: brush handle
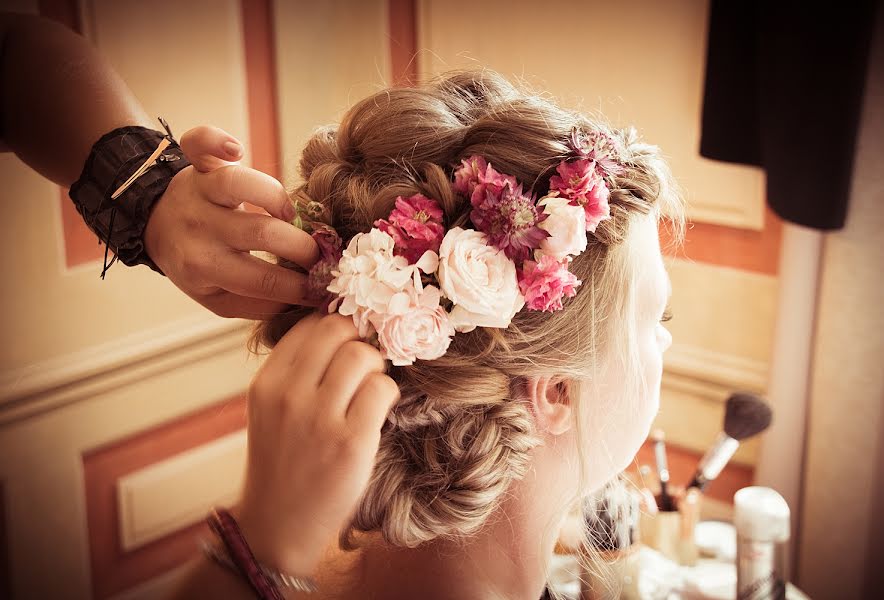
714, 460
666, 502
698, 482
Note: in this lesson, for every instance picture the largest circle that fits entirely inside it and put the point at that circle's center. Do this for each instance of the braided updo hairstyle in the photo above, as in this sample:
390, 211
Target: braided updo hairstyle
463, 430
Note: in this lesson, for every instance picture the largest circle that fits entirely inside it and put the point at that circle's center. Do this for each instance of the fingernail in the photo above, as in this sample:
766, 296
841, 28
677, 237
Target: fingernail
232, 148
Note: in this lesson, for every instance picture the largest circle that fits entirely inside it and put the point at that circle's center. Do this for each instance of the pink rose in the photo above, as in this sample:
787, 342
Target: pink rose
479, 279
566, 225
544, 283
420, 330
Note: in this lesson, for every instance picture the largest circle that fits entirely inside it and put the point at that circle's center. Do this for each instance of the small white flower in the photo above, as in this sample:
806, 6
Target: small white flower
369, 276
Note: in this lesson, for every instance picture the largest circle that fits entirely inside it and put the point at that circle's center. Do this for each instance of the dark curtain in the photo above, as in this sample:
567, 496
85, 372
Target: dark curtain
783, 91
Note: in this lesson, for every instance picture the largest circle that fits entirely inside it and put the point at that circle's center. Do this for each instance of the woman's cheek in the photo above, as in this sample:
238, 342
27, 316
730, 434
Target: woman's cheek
653, 361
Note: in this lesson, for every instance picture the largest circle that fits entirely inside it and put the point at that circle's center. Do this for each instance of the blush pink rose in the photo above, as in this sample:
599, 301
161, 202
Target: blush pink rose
420, 330
479, 279
566, 225
545, 282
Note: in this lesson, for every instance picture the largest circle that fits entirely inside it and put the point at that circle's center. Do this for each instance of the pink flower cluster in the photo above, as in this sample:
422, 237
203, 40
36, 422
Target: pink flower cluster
415, 226
412, 284
500, 209
582, 185
545, 282
547, 231
320, 274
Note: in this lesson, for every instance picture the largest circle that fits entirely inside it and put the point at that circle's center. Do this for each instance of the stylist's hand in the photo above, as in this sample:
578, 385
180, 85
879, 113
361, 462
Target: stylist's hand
315, 409
200, 234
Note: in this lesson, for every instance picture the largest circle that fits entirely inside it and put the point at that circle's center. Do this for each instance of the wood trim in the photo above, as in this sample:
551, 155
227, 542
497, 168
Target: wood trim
682, 464
80, 244
403, 41
150, 501
5, 566
744, 249
114, 570
260, 59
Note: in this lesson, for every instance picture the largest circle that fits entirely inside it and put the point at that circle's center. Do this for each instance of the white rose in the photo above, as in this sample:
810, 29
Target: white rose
566, 225
479, 279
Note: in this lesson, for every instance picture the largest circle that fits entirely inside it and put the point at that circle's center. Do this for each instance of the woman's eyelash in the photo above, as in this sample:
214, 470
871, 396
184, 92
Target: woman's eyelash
667, 315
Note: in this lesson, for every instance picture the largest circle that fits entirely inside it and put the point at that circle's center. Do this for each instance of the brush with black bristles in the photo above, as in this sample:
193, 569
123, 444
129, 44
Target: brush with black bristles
745, 415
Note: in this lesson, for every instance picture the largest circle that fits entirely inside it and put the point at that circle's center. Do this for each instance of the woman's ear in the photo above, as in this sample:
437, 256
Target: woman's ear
551, 403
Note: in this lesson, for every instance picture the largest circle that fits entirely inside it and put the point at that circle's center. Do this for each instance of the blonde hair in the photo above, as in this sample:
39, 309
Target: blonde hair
463, 431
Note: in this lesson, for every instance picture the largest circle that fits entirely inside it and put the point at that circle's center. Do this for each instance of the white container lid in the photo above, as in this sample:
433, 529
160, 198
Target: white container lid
761, 513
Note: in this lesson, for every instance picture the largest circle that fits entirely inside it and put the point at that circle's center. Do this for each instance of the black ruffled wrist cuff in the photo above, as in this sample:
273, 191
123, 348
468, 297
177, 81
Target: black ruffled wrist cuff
120, 222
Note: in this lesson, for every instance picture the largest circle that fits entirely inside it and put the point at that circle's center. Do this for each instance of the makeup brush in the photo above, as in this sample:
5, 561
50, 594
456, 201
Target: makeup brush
666, 503
745, 415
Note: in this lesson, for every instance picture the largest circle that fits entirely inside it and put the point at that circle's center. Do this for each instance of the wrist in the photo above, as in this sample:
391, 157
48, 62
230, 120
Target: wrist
153, 228
235, 553
272, 546
127, 171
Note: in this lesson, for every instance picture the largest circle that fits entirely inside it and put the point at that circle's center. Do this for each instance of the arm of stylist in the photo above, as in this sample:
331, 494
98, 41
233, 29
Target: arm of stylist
315, 411
58, 96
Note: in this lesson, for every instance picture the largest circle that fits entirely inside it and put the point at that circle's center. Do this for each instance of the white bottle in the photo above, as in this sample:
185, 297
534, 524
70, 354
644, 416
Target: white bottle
761, 517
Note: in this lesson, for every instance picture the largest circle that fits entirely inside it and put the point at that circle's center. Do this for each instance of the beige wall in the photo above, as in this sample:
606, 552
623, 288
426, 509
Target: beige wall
840, 548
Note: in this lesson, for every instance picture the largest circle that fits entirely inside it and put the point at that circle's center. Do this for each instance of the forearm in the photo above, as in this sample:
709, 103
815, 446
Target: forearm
58, 95
206, 580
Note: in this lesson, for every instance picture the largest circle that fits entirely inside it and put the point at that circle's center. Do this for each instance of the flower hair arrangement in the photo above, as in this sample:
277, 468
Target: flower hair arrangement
413, 284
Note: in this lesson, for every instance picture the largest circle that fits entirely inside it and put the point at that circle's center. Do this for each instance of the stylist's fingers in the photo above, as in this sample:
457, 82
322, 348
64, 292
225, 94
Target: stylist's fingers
252, 231
208, 148
336, 329
287, 348
353, 362
225, 304
247, 275
370, 406
231, 185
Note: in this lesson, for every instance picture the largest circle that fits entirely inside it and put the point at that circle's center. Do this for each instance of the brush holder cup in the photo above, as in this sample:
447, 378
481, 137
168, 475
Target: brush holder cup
671, 533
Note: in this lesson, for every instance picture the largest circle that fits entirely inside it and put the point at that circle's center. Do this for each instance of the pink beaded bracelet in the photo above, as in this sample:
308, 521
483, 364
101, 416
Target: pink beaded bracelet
266, 582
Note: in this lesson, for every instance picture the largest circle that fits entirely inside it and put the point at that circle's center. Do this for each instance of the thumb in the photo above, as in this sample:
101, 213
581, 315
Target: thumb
208, 148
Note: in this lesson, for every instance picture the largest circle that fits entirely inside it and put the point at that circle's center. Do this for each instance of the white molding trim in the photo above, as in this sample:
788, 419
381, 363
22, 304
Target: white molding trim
710, 374
743, 216
168, 496
37, 388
